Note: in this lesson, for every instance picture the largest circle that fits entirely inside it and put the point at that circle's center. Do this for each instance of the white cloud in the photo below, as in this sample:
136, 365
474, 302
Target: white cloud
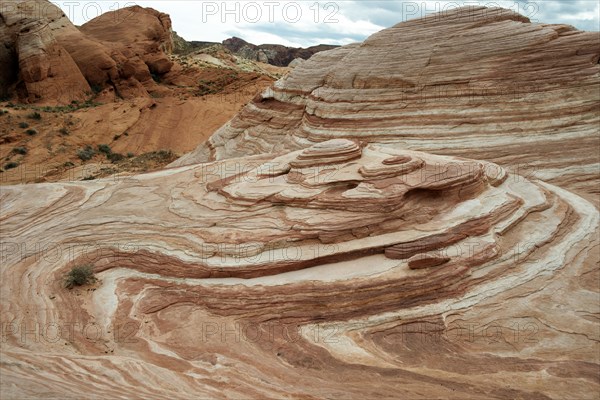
305, 23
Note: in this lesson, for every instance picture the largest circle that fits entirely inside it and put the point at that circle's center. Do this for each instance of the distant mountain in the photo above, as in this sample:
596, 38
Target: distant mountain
274, 54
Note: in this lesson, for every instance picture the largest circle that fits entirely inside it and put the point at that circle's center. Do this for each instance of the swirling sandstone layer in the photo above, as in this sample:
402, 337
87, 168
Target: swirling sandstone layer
338, 271
476, 82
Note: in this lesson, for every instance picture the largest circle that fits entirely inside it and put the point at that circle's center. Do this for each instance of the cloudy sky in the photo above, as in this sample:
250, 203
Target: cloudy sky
303, 23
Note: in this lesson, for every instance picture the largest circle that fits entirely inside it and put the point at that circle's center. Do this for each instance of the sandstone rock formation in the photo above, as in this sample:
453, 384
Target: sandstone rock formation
314, 273
59, 63
476, 82
141, 34
317, 254
34, 60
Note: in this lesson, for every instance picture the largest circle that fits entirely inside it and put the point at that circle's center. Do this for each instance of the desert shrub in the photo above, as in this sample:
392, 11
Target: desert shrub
31, 132
79, 276
116, 137
104, 148
11, 165
114, 157
86, 153
130, 155
23, 125
74, 106
35, 115
20, 150
2, 112
89, 178
63, 131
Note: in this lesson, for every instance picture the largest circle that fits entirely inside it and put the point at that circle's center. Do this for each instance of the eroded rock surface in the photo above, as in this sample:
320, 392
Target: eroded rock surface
476, 82
342, 270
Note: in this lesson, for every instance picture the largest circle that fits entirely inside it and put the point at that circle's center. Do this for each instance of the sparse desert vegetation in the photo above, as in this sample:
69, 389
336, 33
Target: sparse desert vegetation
79, 276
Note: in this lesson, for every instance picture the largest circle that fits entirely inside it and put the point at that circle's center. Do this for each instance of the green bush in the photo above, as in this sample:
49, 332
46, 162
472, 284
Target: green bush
20, 150
31, 132
35, 115
86, 153
11, 165
23, 125
79, 276
104, 148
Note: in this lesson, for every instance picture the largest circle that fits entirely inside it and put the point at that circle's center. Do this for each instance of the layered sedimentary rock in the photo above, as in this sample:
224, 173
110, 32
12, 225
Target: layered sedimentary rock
59, 63
477, 82
343, 270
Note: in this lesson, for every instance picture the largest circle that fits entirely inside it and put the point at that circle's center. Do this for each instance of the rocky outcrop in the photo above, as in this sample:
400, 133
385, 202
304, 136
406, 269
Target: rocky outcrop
58, 63
433, 276
473, 82
272, 53
139, 33
180, 45
34, 62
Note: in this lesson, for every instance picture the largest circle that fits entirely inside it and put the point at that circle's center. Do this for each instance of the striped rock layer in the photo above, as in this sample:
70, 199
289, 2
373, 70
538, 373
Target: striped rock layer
483, 83
341, 270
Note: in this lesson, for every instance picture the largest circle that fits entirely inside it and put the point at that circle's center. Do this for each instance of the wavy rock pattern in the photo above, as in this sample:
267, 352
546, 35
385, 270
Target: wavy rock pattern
476, 82
338, 271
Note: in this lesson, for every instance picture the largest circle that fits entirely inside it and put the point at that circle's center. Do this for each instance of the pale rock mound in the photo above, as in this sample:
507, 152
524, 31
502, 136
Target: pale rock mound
476, 82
